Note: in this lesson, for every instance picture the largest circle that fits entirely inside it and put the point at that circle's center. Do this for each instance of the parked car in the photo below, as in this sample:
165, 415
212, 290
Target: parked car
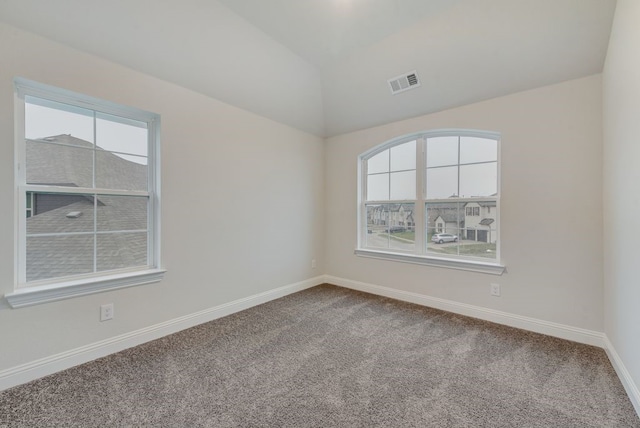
397, 229
440, 238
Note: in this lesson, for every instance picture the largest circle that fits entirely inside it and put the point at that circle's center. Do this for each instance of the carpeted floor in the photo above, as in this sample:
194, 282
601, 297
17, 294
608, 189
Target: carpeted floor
332, 357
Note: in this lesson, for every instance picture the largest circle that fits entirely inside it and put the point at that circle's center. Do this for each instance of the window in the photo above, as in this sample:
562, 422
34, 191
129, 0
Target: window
436, 182
87, 175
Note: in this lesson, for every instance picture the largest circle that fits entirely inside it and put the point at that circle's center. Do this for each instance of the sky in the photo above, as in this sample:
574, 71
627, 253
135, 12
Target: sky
125, 137
392, 172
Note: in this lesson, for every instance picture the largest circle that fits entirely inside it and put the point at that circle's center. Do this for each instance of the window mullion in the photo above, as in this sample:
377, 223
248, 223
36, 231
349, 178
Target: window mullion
20, 226
420, 217
95, 196
362, 209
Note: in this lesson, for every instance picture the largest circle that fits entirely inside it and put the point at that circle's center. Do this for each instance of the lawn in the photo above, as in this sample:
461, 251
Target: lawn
406, 236
477, 249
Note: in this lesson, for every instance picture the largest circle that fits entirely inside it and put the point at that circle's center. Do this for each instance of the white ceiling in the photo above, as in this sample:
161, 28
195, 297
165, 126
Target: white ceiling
326, 31
322, 65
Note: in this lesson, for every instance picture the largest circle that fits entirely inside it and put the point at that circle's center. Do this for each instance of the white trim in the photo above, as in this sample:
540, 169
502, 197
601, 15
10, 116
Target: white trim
45, 366
52, 93
588, 337
459, 264
625, 377
35, 295
419, 252
51, 288
89, 191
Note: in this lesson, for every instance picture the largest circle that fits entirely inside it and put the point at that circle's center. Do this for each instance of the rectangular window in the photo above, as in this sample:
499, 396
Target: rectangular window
449, 182
88, 178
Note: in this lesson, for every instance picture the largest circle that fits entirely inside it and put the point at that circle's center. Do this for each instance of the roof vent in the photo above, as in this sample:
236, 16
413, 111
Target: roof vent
74, 214
404, 82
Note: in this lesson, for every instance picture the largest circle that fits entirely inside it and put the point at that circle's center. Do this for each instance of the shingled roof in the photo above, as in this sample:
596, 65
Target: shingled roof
66, 160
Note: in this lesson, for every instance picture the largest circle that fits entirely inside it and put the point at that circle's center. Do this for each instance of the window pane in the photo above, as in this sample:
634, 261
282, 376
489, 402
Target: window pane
442, 151
403, 185
115, 172
378, 163
57, 256
442, 182
479, 179
117, 134
60, 213
121, 250
58, 165
443, 223
442, 217
402, 227
377, 226
378, 187
121, 213
45, 118
473, 149
391, 226
480, 234
403, 157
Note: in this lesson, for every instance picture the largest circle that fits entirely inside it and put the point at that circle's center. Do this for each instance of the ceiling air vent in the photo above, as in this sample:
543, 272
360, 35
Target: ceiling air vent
404, 82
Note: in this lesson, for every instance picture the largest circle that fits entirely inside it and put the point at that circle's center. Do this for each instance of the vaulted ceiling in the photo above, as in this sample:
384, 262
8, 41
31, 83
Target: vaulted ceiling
322, 65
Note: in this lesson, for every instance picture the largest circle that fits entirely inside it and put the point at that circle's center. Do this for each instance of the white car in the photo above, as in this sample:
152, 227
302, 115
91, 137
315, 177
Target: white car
440, 238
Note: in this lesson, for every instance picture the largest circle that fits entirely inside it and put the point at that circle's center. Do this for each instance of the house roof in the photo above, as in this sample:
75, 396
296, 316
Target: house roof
449, 216
56, 256
66, 160
483, 203
396, 207
408, 208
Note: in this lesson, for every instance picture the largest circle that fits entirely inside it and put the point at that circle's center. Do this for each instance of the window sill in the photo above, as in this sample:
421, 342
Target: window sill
80, 287
472, 266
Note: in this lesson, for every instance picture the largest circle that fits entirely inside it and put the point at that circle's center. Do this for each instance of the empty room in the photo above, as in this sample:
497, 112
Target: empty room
322, 213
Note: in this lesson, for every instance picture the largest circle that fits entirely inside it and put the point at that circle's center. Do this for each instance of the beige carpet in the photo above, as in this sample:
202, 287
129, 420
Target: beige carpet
331, 357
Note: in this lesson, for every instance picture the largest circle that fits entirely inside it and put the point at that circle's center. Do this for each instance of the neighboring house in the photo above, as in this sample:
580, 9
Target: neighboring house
480, 221
120, 221
475, 222
443, 218
446, 222
392, 215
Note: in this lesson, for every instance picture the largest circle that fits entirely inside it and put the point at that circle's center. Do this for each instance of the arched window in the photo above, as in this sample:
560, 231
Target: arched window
432, 198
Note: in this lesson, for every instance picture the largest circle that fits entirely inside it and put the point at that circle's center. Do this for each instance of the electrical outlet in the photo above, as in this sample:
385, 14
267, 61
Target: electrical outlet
106, 312
495, 290
313, 264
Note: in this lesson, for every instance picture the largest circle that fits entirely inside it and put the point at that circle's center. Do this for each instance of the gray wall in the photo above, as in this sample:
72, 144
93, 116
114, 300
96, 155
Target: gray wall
551, 170
621, 82
242, 203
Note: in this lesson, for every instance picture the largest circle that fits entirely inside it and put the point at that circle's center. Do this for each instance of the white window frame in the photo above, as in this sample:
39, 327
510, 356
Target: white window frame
41, 291
29, 204
420, 256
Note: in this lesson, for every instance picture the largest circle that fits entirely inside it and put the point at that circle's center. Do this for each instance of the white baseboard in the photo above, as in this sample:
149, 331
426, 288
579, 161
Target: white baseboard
575, 334
627, 381
43, 367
